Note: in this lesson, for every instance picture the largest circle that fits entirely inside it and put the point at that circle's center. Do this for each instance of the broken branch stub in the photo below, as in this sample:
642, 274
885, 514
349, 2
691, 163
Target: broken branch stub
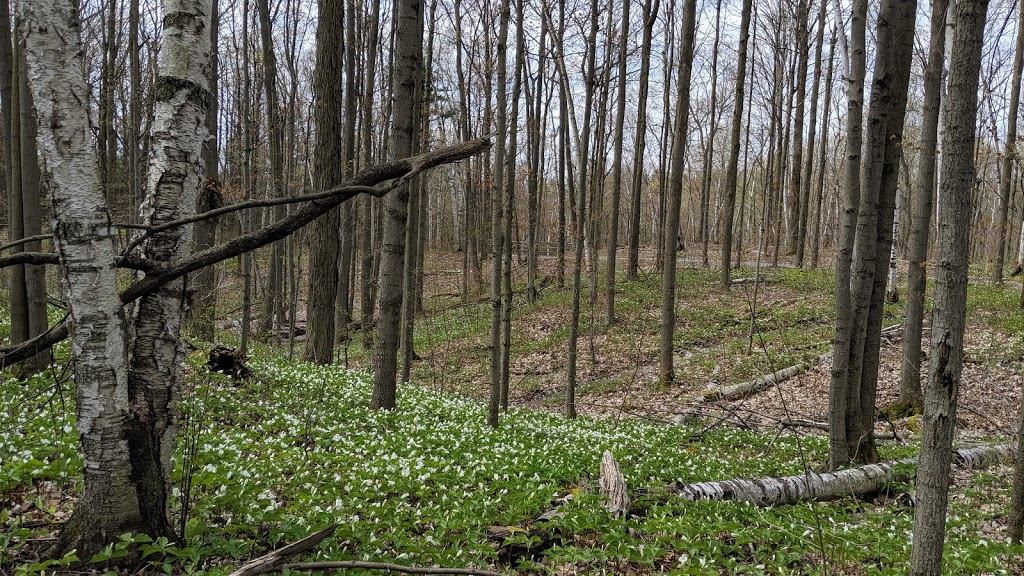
613, 486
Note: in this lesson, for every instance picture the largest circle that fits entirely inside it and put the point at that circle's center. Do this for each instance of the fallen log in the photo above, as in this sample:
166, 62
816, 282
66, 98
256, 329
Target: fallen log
860, 481
744, 389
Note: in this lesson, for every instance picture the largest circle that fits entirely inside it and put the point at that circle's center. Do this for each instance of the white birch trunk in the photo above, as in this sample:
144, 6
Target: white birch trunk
775, 491
84, 241
179, 129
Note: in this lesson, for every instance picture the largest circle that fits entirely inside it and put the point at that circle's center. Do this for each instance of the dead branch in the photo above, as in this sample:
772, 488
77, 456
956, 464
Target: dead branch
21, 241
274, 560
21, 258
336, 191
398, 171
348, 564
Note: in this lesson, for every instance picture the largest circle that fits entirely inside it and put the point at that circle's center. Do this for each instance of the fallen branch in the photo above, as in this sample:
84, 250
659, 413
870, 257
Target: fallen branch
858, 481
275, 560
744, 389
348, 564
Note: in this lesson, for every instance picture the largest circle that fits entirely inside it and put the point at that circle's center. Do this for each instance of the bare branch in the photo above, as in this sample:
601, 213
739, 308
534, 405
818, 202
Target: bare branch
28, 258
349, 564
21, 241
336, 191
399, 171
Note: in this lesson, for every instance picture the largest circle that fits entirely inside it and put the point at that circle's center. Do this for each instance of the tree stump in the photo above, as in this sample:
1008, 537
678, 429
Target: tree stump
613, 486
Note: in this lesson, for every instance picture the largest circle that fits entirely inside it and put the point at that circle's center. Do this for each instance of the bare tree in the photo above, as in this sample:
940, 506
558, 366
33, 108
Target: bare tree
675, 193
407, 82
327, 172
910, 370
732, 169
946, 357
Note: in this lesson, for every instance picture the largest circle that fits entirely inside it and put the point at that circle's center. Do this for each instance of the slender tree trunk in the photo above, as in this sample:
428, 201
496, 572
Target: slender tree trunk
1009, 156
675, 194
247, 186
274, 298
328, 162
732, 170
497, 244
633, 263
910, 370
407, 82
16, 227
819, 187
709, 159
808, 167
795, 182
839, 449
620, 120
508, 197
31, 213
204, 283
366, 266
946, 357
535, 137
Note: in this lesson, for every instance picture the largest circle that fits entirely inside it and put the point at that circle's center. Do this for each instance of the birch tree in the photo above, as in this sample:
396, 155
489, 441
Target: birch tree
125, 415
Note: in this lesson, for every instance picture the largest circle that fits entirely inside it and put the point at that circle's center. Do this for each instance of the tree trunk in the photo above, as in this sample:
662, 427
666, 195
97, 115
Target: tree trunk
920, 221
946, 357
366, 266
709, 159
675, 194
796, 175
327, 161
1009, 156
819, 186
204, 283
274, 296
620, 119
812, 486
407, 82
497, 245
508, 197
812, 122
839, 448
125, 417
650, 17
732, 170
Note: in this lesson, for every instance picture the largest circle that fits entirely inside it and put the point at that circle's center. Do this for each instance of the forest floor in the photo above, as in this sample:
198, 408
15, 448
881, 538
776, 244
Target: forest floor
295, 448
722, 338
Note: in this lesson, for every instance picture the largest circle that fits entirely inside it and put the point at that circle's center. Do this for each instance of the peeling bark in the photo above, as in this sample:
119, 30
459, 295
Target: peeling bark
868, 479
84, 241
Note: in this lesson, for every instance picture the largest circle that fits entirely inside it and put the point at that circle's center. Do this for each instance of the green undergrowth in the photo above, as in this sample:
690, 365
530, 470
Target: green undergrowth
296, 448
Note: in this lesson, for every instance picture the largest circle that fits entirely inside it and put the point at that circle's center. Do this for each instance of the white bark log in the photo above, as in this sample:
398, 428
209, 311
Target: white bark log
773, 491
84, 241
744, 389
